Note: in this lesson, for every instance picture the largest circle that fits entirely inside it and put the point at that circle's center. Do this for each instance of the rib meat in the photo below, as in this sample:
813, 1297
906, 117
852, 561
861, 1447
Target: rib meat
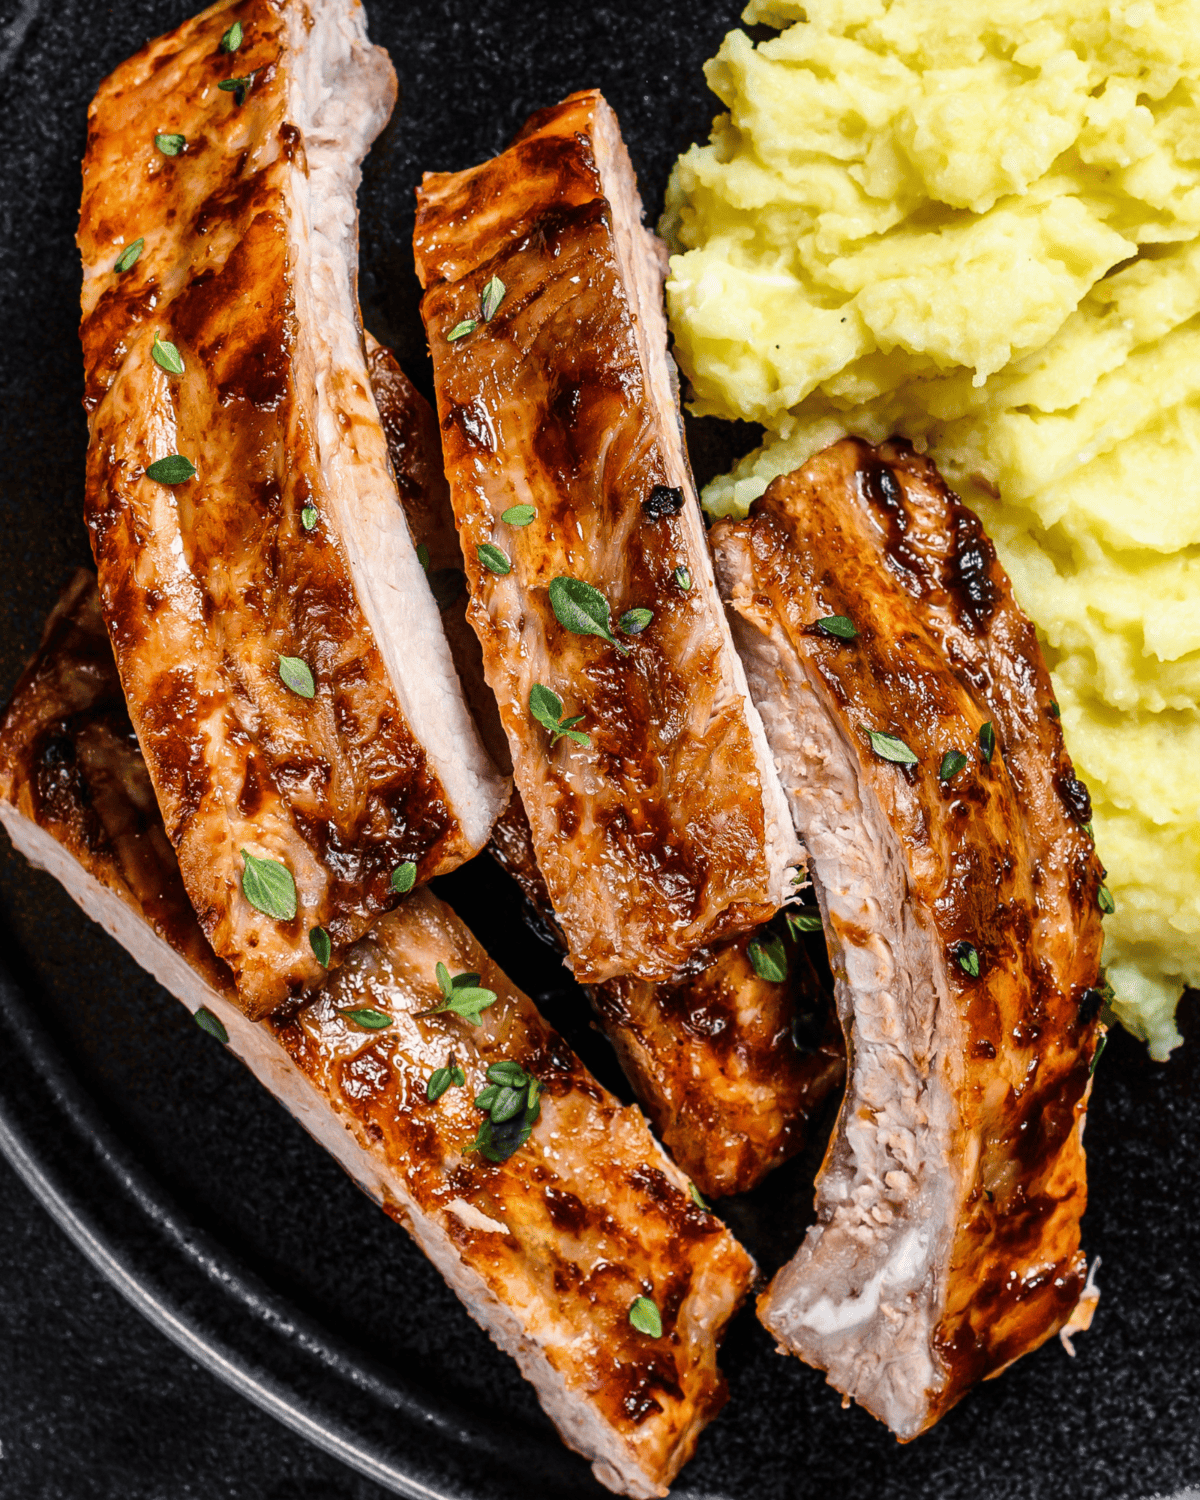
289, 541
547, 1249
668, 830
732, 1069
961, 911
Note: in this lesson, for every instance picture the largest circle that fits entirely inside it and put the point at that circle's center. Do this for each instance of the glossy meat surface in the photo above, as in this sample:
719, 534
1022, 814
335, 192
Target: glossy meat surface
732, 1069
668, 830
289, 540
962, 915
547, 1249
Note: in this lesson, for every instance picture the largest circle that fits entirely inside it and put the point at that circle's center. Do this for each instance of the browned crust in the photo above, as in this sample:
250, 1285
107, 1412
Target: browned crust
337, 785
653, 839
998, 857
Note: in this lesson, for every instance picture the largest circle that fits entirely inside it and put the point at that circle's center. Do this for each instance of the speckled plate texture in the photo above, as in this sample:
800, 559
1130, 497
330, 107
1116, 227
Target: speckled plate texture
193, 1192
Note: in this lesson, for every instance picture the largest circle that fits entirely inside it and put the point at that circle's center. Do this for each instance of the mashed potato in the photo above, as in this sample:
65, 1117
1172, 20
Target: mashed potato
976, 225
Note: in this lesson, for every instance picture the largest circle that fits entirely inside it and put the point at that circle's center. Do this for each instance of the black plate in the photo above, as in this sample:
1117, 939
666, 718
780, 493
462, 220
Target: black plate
193, 1192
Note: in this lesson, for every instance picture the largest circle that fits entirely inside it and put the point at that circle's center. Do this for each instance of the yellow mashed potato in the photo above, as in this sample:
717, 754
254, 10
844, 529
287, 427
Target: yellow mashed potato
975, 224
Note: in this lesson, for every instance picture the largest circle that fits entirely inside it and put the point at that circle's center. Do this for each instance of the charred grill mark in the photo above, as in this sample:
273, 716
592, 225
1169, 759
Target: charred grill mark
1075, 796
970, 569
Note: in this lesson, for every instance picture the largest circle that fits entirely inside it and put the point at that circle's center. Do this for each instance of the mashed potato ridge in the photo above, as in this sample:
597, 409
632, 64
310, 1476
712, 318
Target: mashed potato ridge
976, 226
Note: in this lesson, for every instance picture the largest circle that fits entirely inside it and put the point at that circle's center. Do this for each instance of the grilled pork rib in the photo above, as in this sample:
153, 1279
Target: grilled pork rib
960, 906
289, 542
547, 1249
667, 830
731, 1068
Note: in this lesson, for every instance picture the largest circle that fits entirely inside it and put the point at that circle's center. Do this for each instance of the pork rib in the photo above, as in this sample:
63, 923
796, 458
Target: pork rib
732, 1069
667, 830
289, 541
547, 1249
960, 904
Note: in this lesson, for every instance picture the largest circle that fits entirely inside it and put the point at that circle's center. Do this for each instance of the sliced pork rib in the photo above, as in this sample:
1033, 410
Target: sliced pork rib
666, 829
235, 256
960, 904
549, 1247
731, 1068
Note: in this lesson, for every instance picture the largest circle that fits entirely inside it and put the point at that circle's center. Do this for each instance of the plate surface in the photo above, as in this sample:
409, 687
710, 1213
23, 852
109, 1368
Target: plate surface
202, 1201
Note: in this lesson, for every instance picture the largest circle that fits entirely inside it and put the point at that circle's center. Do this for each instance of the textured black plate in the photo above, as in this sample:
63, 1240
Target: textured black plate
194, 1193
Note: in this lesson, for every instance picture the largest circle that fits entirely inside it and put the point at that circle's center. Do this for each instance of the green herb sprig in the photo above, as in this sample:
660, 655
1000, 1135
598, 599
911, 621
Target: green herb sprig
683, 579
318, 941
987, 741
206, 1021
365, 1016
268, 886
232, 39
404, 877
166, 356
308, 517
803, 921
170, 144
888, 747
582, 609
443, 1078
547, 708
238, 87
768, 958
645, 1317
173, 469
519, 515
634, 621
967, 959
511, 1102
839, 626
128, 257
494, 558
461, 996
297, 676
952, 763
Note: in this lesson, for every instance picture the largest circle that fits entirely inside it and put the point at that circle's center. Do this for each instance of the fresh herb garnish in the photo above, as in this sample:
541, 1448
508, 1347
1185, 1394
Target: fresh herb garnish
546, 707
1054, 711
889, 747
841, 626
987, 741
237, 87
1104, 899
206, 1021
581, 609
129, 256
695, 1195
460, 330
952, 763
1100, 1046
683, 578
174, 469
404, 877
491, 298
462, 995
768, 958
967, 959
803, 921
634, 621
423, 555
365, 1016
170, 145
166, 356
493, 558
296, 675
268, 886
318, 941
308, 518
513, 1103
519, 515
232, 39
645, 1317
442, 1078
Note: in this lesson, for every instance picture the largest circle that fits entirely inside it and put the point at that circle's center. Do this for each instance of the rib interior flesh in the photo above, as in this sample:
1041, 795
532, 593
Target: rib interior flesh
961, 911
289, 541
547, 1249
732, 1069
667, 830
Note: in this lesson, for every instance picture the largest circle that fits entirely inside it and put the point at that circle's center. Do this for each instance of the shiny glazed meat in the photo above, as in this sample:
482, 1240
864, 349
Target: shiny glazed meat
289, 540
668, 829
547, 1249
962, 916
731, 1069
